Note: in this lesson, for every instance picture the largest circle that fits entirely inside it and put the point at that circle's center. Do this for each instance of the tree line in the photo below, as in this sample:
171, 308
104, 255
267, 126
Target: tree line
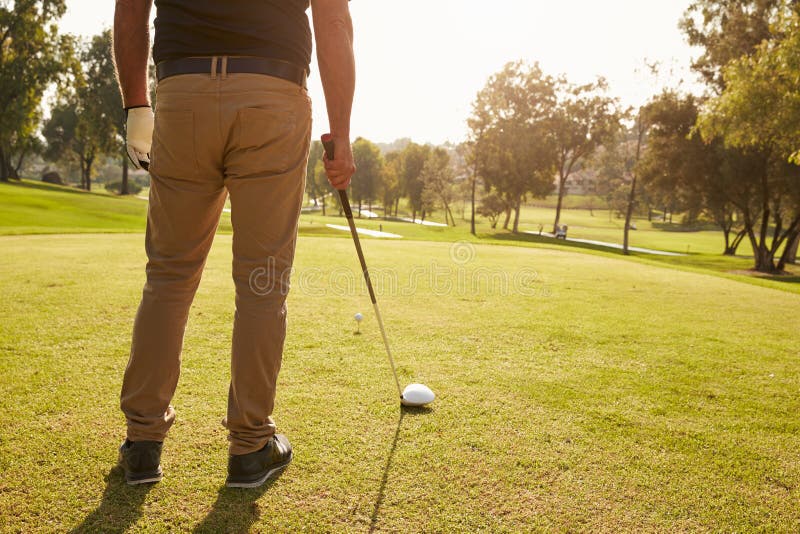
733, 152
730, 155
426, 176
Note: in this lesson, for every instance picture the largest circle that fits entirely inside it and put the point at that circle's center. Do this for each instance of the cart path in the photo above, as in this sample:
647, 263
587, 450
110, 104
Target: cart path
612, 245
371, 233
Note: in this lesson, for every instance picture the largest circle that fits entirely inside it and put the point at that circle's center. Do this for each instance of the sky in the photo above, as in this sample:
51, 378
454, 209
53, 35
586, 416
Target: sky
420, 63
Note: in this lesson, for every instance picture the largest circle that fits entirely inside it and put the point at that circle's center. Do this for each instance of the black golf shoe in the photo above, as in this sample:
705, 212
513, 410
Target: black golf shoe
253, 469
141, 461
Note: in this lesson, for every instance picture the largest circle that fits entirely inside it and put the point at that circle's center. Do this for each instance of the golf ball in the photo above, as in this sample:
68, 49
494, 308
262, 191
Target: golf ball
358, 317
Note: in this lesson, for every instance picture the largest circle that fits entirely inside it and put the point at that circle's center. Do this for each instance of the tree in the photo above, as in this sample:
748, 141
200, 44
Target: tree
67, 140
517, 154
312, 187
86, 122
32, 56
320, 178
583, 119
680, 169
60, 135
438, 179
102, 117
618, 165
726, 186
611, 164
758, 112
390, 183
472, 151
673, 160
790, 254
492, 206
23, 143
369, 167
640, 128
728, 30
411, 185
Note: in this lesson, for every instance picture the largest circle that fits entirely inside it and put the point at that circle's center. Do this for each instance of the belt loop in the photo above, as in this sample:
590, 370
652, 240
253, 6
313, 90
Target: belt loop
214, 67
224, 67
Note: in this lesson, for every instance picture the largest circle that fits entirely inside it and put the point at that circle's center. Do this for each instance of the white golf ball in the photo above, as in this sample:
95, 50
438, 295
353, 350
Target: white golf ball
358, 317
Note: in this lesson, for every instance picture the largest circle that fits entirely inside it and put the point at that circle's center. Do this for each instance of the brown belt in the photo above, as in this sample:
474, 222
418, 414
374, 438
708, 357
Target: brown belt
251, 65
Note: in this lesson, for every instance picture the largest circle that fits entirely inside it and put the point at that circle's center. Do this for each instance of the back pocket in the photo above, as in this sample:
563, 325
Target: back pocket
265, 138
173, 153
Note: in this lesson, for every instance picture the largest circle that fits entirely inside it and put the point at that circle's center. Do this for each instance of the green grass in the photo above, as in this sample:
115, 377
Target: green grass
736, 268
29, 207
578, 389
648, 235
592, 393
34, 208
38, 208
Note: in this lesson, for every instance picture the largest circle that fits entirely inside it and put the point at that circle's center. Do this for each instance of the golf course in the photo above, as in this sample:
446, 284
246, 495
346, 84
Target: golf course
577, 389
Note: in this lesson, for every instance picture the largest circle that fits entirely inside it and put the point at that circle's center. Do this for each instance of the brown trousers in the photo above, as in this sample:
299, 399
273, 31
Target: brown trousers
247, 136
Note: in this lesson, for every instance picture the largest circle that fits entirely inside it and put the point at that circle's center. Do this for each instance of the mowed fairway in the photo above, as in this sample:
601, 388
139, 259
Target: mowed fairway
575, 392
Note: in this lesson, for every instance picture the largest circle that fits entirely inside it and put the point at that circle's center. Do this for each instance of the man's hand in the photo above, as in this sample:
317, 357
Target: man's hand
341, 169
139, 135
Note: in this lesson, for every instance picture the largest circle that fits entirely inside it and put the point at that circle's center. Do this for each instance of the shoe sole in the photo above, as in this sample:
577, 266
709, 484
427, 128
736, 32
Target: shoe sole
260, 481
148, 480
155, 477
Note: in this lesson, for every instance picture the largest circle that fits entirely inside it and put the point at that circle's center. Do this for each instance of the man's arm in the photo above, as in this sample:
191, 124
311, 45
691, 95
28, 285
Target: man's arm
132, 50
333, 31
131, 54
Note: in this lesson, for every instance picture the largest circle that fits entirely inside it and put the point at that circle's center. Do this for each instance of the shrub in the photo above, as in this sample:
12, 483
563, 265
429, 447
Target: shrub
133, 187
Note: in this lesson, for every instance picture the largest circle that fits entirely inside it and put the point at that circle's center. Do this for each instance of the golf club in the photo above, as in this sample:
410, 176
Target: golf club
413, 394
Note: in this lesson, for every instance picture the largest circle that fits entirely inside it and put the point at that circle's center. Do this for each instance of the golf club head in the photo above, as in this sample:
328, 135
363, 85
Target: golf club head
417, 395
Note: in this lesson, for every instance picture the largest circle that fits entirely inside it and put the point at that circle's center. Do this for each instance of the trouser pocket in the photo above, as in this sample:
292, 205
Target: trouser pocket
173, 154
266, 140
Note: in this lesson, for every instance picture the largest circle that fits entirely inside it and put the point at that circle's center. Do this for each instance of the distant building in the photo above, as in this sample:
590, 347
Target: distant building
580, 182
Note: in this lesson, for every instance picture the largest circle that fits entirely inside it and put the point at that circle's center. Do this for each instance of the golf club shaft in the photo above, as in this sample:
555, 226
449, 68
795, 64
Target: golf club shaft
348, 212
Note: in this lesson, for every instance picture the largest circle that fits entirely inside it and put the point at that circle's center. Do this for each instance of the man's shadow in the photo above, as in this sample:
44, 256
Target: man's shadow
120, 507
235, 509
417, 410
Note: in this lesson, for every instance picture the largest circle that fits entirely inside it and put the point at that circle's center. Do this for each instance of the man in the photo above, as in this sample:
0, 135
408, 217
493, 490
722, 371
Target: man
233, 118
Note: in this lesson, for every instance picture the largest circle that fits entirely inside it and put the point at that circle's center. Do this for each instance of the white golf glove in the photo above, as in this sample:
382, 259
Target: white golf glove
139, 135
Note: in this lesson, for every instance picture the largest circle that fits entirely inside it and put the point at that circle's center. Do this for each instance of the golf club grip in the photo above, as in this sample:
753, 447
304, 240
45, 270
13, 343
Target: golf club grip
348, 212
329, 146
